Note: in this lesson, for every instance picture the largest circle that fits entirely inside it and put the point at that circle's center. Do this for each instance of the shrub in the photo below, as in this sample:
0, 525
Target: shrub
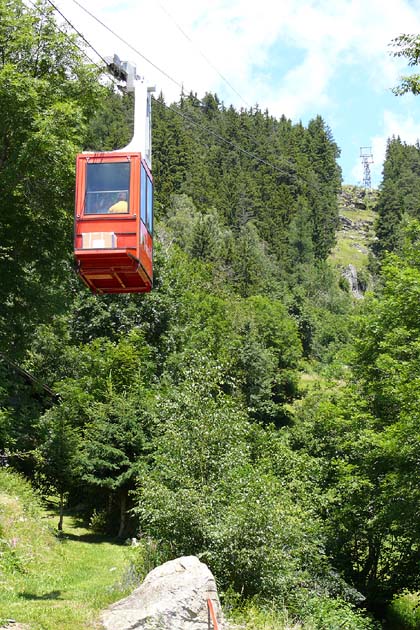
23, 538
323, 613
404, 612
147, 554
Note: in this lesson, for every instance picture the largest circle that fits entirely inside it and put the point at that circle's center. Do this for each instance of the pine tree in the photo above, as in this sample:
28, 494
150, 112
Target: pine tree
399, 196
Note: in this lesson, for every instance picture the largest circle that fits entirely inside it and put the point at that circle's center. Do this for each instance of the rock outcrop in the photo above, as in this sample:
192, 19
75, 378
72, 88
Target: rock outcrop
354, 236
356, 197
350, 274
172, 597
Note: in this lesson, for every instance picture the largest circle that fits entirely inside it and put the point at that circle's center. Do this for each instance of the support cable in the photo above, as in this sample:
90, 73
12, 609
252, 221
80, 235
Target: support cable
124, 41
78, 32
189, 119
102, 69
226, 141
29, 377
206, 59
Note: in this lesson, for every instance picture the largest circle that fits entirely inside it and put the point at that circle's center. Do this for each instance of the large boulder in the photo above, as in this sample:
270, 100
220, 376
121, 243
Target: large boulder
172, 597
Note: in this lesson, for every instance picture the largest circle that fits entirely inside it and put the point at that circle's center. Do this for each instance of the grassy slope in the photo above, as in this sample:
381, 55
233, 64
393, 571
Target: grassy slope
352, 245
63, 583
51, 583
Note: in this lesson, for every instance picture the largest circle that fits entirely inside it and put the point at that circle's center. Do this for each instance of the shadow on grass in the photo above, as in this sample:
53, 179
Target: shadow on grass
93, 538
77, 522
32, 596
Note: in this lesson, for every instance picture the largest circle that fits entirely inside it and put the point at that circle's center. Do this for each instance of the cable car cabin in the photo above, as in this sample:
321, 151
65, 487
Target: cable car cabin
114, 222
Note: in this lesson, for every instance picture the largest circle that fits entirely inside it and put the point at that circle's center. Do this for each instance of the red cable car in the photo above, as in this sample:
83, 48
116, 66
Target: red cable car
113, 240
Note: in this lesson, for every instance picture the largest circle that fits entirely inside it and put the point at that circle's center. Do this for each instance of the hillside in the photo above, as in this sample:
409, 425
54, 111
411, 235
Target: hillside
49, 581
355, 236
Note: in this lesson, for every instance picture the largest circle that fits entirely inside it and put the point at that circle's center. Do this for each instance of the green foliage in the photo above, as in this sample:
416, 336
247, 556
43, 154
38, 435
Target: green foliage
399, 195
256, 616
252, 267
111, 126
100, 521
403, 612
407, 46
97, 430
323, 153
301, 178
56, 455
319, 613
364, 435
19, 512
267, 355
216, 488
322, 310
147, 554
330, 614
46, 94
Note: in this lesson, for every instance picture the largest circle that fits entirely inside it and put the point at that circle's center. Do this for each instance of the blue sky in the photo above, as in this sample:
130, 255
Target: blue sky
300, 58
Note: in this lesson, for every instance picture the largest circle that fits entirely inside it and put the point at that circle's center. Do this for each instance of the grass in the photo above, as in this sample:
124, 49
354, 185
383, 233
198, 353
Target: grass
352, 244
315, 377
48, 582
354, 214
350, 249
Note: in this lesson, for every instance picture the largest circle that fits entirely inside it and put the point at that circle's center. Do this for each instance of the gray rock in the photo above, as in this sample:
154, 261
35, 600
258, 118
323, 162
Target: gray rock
345, 223
350, 273
172, 597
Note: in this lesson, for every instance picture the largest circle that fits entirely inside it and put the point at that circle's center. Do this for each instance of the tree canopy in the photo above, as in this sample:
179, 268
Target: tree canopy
47, 95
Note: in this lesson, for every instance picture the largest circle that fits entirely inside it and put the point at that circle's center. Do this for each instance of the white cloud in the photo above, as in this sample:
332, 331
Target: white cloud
405, 127
291, 56
239, 37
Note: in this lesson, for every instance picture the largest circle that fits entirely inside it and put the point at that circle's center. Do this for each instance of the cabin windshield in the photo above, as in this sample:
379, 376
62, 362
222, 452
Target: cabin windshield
107, 188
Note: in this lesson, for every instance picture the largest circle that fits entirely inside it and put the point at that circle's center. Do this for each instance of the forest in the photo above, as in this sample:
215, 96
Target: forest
248, 410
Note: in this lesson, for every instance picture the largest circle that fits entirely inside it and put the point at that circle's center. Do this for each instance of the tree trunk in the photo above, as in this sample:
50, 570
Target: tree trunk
123, 512
61, 512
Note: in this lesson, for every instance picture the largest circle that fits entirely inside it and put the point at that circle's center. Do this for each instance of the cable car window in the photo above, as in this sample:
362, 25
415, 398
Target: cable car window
149, 205
143, 198
107, 187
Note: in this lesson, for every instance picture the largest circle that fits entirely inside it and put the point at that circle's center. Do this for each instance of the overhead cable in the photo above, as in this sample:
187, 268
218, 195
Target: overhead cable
202, 54
207, 129
78, 32
30, 377
179, 113
226, 141
124, 41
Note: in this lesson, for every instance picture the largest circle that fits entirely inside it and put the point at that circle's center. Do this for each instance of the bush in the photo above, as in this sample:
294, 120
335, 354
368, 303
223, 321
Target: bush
99, 522
13, 484
212, 493
404, 612
263, 542
146, 554
253, 615
318, 613
24, 539
322, 613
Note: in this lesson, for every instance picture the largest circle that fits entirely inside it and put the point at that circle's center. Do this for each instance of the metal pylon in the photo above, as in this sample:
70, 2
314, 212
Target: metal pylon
367, 159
